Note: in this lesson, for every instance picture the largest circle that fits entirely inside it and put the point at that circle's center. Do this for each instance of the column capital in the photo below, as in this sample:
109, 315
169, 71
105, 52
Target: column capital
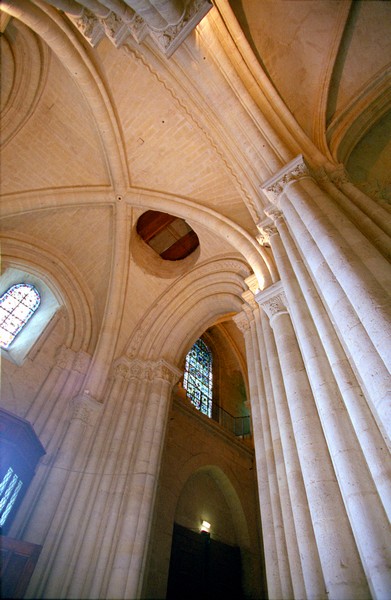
68, 359
273, 300
85, 408
268, 227
161, 369
135, 368
138, 368
242, 322
293, 171
340, 176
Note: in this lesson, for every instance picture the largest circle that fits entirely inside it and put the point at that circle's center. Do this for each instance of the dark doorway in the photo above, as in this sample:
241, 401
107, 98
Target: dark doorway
202, 568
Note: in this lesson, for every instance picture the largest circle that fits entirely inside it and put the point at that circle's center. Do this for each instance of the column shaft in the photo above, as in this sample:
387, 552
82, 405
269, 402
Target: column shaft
309, 556
362, 353
273, 462
340, 562
369, 436
281, 492
354, 273
268, 526
367, 517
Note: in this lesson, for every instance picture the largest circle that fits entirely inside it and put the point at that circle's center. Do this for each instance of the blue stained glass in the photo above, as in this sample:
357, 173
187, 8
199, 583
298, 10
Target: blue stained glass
9, 489
17, 306
197, 380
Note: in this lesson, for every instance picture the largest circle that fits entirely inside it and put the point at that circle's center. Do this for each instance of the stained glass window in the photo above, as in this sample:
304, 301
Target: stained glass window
9, 489
197, 379
17, 306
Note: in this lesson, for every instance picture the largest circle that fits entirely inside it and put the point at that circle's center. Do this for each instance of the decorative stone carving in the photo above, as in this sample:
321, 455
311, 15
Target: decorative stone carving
340, 176
266, 230
123, 21
81, 362
85, 408
131, 369
273, 300
293, 171
273, 213
169, 39
242, 322
64, 358
121, 371
69, 360
89, 26
167, 372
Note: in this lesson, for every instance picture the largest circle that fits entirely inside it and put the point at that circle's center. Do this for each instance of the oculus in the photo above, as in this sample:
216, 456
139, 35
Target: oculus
170, 237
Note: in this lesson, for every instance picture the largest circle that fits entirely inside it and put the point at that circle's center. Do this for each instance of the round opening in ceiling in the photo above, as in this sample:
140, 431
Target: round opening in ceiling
170, 237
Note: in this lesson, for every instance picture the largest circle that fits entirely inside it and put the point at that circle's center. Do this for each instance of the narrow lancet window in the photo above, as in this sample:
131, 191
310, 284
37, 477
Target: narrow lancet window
17, 306
197, 379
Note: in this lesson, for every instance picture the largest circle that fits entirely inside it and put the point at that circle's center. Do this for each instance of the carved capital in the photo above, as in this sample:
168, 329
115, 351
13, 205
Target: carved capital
163, 370
242, 322
81, 362
85, 408
273, 300
89, 26
294, 171
266, 230
340, 176
131, 369
119, 22
64, 358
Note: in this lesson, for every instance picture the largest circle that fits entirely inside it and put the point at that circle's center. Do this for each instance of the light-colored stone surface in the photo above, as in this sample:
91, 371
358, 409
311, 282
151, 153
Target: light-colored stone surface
93, 136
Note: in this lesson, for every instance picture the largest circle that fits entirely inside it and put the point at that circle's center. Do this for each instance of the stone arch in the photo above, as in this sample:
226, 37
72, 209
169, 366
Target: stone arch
201, 464
256, 256
46, 22
191, 305
60, 276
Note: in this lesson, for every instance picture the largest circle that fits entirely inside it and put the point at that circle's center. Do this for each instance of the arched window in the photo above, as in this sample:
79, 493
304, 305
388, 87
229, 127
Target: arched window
17, 306
197, 379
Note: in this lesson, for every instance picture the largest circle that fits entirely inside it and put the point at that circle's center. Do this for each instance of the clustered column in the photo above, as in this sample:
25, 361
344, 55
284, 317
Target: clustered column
329, 316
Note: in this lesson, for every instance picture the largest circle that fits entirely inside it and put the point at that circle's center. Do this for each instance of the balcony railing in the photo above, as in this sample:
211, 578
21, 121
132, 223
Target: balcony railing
239, 426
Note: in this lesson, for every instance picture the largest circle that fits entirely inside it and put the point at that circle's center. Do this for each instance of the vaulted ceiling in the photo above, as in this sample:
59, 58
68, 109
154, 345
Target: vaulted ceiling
331, 64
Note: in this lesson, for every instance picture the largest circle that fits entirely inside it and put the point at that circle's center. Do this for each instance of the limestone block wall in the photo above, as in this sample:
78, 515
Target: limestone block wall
205, 473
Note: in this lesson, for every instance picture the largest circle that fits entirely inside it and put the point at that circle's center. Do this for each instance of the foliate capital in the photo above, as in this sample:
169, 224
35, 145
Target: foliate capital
273, 300
266, 229
163, 370
242, 322
340, 176
131, 369
85, 408
293, 171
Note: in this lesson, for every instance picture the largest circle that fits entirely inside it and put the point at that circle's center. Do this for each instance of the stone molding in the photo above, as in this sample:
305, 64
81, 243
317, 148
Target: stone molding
294, 171
146, 370
166, 25
273, 300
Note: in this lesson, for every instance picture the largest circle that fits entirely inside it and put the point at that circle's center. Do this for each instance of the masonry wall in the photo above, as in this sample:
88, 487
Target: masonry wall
205, 473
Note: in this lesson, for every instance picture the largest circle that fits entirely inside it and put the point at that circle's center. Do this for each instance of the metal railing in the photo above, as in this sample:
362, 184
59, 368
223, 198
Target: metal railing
239, 426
